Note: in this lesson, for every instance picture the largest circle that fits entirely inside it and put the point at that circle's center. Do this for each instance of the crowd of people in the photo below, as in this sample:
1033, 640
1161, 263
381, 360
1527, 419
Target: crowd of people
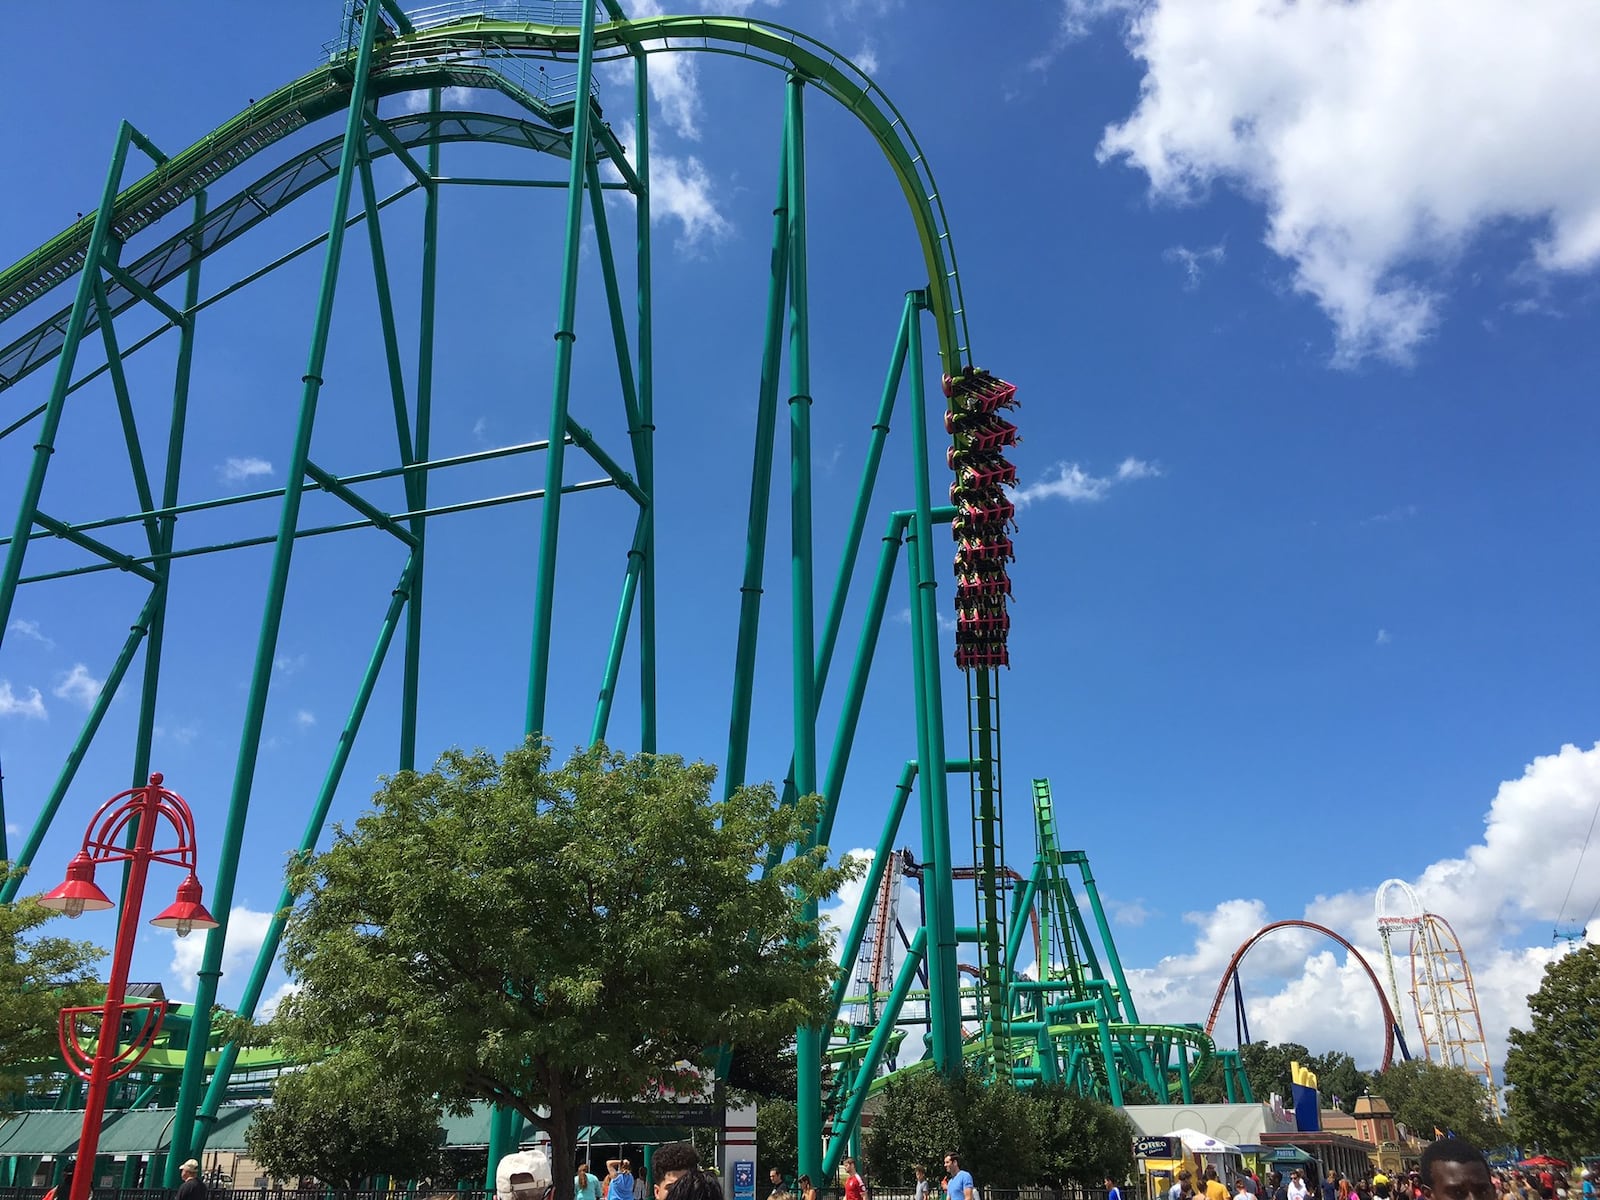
1464, 1169
1449, 1169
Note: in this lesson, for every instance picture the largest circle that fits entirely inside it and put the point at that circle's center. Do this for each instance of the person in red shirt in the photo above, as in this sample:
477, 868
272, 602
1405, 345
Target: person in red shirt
855, 1188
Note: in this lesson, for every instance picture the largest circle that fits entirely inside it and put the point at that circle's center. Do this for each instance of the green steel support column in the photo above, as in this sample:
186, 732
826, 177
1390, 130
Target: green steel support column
253, 988
644, 379
91, 725
619, 633
550, 517
864, 491
391, 337
938, 996
1128, 1012
847, 567
185, 1139
856, 689
1113, 1081
130, 425
850, 1116
1019, 923
167, 524
942, 968
619, 329
502, 1126
991, 918
869, 888
412, 685
99, 237
755, 542
808, 1039
1185, 1083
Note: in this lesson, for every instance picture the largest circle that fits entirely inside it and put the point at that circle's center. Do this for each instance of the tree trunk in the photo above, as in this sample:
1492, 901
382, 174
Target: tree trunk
562, 1125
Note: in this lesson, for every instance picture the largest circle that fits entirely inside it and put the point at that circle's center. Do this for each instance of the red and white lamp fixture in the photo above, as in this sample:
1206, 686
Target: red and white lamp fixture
124, 830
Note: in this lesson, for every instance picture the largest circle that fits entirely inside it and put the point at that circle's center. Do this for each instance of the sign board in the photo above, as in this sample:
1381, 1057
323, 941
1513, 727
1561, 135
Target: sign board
1153, 1147
744, 1179
637, 1113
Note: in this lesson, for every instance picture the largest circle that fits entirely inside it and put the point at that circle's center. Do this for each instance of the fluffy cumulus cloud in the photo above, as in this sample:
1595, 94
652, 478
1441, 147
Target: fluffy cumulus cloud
681, 190
674, 80
1380, 138
79, 686
1502, 894
24, 702
247, 929
31, 631
237, 470
1074, 483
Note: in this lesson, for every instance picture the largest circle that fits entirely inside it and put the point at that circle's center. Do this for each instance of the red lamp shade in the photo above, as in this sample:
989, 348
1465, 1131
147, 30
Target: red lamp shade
186, 913
78, 894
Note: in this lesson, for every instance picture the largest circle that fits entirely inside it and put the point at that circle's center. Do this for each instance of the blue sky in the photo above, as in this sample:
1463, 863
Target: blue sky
1307, 359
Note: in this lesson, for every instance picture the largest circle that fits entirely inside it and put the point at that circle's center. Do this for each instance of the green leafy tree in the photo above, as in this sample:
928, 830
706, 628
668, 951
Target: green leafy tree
542, 937
1007, 1137
763, 1072
1338, 1076
1267, 1066
915, 1125
1080, 1139
343, 1122
1425, 1096
1554, 1065
775, 1141
39, 976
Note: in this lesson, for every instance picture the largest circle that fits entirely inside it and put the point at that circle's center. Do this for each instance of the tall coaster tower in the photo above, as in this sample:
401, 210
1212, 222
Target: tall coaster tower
404, 90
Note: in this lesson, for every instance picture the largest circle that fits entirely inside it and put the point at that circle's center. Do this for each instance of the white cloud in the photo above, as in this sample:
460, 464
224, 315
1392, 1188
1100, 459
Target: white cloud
305, 718
1136, 468
1195, 262
947, 624
1383, 638
247, 929
674, 80
12, 828
453, 97
680, 190
290, 664
1071, 482
30, 705
867, 59
237, 470
31, 631
1400, 512
1132, 913
269, 1006
1300, 987
182, 734
1380, 138
78, 686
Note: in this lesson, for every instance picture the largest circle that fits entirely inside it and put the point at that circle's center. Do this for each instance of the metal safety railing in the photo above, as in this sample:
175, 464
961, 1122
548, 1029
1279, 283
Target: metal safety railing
552, 89
547, 12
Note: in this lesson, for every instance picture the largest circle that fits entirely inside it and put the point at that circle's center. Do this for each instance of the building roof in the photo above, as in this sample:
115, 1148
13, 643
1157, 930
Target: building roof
1373, 1106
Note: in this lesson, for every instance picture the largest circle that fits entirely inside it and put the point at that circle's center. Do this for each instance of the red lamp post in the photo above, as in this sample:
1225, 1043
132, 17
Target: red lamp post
140, 810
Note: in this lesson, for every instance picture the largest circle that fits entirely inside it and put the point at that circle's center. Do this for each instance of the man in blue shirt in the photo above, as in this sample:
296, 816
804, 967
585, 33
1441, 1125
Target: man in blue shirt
1113, 1192
960, 1185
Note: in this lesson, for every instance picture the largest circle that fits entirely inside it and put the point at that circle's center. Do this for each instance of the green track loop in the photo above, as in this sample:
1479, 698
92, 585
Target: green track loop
419, 60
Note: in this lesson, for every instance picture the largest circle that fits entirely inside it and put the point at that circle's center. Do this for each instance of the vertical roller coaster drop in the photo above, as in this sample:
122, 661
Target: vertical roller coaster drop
142, 254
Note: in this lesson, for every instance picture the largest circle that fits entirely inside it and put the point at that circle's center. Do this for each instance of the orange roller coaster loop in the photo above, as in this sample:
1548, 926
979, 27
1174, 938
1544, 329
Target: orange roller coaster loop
1238, 956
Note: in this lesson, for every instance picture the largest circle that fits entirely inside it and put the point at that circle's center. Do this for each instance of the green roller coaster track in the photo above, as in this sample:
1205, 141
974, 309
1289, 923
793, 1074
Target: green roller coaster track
1070, 1023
